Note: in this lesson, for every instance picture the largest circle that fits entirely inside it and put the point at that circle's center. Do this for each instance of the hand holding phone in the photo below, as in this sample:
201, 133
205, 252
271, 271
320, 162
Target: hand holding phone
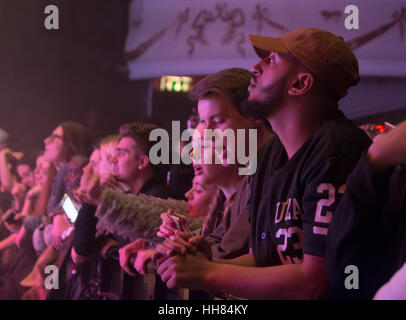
70, 207
10, 218
170, 223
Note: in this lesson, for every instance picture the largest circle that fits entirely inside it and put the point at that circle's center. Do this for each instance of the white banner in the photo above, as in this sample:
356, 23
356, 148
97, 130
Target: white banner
190, 37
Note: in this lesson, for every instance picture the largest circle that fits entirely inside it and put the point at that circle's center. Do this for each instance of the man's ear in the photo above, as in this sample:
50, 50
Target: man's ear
143, 161
301, 84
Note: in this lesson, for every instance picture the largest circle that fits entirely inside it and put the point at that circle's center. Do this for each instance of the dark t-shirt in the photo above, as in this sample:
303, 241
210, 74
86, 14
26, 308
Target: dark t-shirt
293, 201
180, 180
368, 230
155, 187
84, 240
230, 238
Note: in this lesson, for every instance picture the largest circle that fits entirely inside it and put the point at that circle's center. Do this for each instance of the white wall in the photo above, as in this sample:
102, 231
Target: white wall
164, 39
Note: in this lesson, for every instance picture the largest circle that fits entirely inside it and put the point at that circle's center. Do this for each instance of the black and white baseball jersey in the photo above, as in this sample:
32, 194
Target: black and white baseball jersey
293, 201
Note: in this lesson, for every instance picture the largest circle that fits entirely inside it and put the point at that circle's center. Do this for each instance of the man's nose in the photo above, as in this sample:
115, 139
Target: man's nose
256, 68
189, 194
113, 159
46, 140
86, 168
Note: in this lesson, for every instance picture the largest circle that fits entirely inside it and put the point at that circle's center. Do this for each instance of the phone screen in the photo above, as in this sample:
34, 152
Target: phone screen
70, 209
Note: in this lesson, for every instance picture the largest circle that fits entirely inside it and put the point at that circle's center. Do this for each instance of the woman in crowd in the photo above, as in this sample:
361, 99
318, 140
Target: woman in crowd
68, 139
39, 177
53, 254
30, 200
99, 170
202, 201
10, 181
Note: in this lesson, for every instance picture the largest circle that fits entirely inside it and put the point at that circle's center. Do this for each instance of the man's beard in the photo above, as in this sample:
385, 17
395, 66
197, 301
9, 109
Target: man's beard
265, 109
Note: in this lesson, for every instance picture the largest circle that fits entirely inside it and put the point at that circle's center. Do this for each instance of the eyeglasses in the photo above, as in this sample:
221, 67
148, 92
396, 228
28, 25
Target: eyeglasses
52, 137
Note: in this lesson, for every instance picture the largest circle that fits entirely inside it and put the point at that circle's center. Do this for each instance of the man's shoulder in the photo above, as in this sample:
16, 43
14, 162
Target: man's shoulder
158, 190
340, 137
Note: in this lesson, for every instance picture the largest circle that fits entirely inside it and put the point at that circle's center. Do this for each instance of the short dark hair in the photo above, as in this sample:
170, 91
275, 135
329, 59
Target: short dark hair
139, 132
232, 83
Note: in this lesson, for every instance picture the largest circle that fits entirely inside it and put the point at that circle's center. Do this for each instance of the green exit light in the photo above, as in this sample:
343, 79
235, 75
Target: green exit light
175, 84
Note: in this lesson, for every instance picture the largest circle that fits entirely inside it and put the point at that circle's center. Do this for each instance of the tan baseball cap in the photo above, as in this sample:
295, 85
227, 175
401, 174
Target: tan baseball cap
322, 52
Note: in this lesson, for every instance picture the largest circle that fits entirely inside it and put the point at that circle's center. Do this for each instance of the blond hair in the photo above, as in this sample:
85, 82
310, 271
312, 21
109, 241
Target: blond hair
108, 147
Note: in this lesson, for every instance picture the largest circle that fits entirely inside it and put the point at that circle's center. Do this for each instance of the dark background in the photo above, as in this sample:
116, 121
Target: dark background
75, 73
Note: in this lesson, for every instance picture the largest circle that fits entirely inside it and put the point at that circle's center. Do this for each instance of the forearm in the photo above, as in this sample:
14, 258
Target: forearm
30, 199
27, 207
277, 282
6, 177
8, 242
246, 260
58, 222
19, 202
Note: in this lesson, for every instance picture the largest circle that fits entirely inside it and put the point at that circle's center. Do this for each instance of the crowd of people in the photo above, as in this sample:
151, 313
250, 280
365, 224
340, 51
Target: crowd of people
324, 196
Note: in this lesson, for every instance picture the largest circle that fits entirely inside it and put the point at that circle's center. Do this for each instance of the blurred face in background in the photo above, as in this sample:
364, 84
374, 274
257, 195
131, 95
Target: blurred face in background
126, 160
26, 174
93, 164
105, 166
199, 198
75, 171
54, 146
41, 170
39, 161
91, 170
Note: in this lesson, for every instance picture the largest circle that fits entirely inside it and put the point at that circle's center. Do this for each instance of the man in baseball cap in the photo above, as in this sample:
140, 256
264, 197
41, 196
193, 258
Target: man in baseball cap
323, 53
301, 173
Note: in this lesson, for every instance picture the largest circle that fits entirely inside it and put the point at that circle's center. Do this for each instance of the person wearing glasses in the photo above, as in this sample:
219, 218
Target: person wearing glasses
66, 140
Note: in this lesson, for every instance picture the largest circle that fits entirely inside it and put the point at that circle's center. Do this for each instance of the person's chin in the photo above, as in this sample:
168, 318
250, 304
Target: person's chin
118, 177
48, 157
252, 98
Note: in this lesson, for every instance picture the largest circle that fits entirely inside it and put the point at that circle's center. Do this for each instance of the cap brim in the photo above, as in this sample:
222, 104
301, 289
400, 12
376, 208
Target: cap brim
263, 46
